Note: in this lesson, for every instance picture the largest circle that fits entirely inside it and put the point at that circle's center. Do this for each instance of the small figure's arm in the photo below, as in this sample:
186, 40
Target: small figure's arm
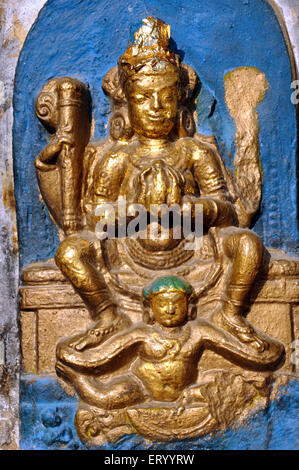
105, 352
208, 336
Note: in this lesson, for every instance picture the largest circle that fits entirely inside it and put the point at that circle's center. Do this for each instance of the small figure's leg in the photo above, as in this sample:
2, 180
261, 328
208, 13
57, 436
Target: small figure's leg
245, 249
118, 393
76, 258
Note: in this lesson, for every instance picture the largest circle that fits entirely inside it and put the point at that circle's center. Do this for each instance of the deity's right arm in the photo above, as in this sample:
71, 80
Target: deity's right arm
47, 159
108, 176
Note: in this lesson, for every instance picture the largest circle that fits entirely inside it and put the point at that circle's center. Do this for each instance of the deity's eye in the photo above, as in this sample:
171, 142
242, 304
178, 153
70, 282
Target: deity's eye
168, 96
140, 97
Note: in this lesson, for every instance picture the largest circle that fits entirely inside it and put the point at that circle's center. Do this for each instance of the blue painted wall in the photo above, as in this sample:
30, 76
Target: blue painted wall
47, 423
84, 38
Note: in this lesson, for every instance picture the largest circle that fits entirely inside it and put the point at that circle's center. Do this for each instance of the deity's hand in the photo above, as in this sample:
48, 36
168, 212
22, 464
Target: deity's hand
50, 153
206, 205
141, 191
178, 181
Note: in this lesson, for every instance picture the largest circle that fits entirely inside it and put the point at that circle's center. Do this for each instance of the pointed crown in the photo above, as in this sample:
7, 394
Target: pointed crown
149, 46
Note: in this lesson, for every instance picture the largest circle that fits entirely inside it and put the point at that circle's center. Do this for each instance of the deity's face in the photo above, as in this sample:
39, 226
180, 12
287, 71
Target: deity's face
153, 102
170, 308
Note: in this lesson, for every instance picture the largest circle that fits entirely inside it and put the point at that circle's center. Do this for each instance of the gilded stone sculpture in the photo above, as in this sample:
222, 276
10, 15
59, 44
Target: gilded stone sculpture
156, 304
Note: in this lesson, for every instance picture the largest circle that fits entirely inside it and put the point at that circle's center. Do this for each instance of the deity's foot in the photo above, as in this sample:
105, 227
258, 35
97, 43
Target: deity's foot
237, 326
103, 327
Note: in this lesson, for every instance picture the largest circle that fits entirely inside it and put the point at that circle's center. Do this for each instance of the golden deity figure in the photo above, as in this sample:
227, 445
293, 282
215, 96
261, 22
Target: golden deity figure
138, 357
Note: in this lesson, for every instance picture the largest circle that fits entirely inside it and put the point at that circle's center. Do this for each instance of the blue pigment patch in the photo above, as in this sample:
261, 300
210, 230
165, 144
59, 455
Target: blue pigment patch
84, 38
47, 422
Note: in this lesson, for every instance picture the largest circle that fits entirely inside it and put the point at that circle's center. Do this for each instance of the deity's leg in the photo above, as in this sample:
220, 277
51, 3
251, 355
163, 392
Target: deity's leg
245, 249
76, 258
118, 393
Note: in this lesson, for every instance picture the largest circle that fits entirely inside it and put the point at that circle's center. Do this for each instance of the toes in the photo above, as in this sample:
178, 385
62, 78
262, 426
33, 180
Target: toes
81, 345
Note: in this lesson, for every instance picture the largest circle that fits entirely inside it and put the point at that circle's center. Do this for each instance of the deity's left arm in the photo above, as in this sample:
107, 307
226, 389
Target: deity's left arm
214, 196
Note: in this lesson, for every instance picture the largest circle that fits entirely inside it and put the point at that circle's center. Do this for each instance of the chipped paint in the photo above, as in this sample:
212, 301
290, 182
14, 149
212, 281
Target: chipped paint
2, 353
19, 32
16, 19
2, 93
8, 197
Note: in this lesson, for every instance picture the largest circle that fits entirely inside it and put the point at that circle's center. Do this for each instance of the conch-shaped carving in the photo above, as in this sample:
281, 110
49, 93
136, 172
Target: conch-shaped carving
245, 88
63, 107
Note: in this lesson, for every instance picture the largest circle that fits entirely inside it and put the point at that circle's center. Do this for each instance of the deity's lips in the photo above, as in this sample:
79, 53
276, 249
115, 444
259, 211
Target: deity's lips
156, 118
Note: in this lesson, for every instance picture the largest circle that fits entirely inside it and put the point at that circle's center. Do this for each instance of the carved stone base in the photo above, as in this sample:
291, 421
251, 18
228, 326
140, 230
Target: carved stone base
226, 398
51, 310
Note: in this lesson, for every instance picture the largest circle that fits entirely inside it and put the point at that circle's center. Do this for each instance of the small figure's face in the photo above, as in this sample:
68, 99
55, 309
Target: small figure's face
170, 308
153, 102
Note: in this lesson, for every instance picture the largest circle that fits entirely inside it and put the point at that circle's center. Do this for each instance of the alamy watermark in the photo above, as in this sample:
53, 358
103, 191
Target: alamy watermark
159, 222
295, 94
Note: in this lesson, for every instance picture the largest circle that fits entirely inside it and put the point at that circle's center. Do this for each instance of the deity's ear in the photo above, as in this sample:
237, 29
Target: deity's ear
112, 86
120, 125
189, 84
185, 124
188, 89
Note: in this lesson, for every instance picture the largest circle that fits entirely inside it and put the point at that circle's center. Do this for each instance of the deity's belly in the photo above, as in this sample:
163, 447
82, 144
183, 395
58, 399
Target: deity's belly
157, 190
158, 239
166, 379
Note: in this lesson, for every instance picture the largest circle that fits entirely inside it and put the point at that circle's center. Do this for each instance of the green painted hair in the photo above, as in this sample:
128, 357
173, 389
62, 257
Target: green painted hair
167, 283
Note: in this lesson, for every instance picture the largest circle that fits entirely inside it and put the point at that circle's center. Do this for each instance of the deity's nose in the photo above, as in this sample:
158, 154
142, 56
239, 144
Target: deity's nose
155, 101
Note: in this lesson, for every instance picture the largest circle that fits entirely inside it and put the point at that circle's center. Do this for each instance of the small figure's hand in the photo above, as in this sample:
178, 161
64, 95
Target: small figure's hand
239, 327
181, 404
